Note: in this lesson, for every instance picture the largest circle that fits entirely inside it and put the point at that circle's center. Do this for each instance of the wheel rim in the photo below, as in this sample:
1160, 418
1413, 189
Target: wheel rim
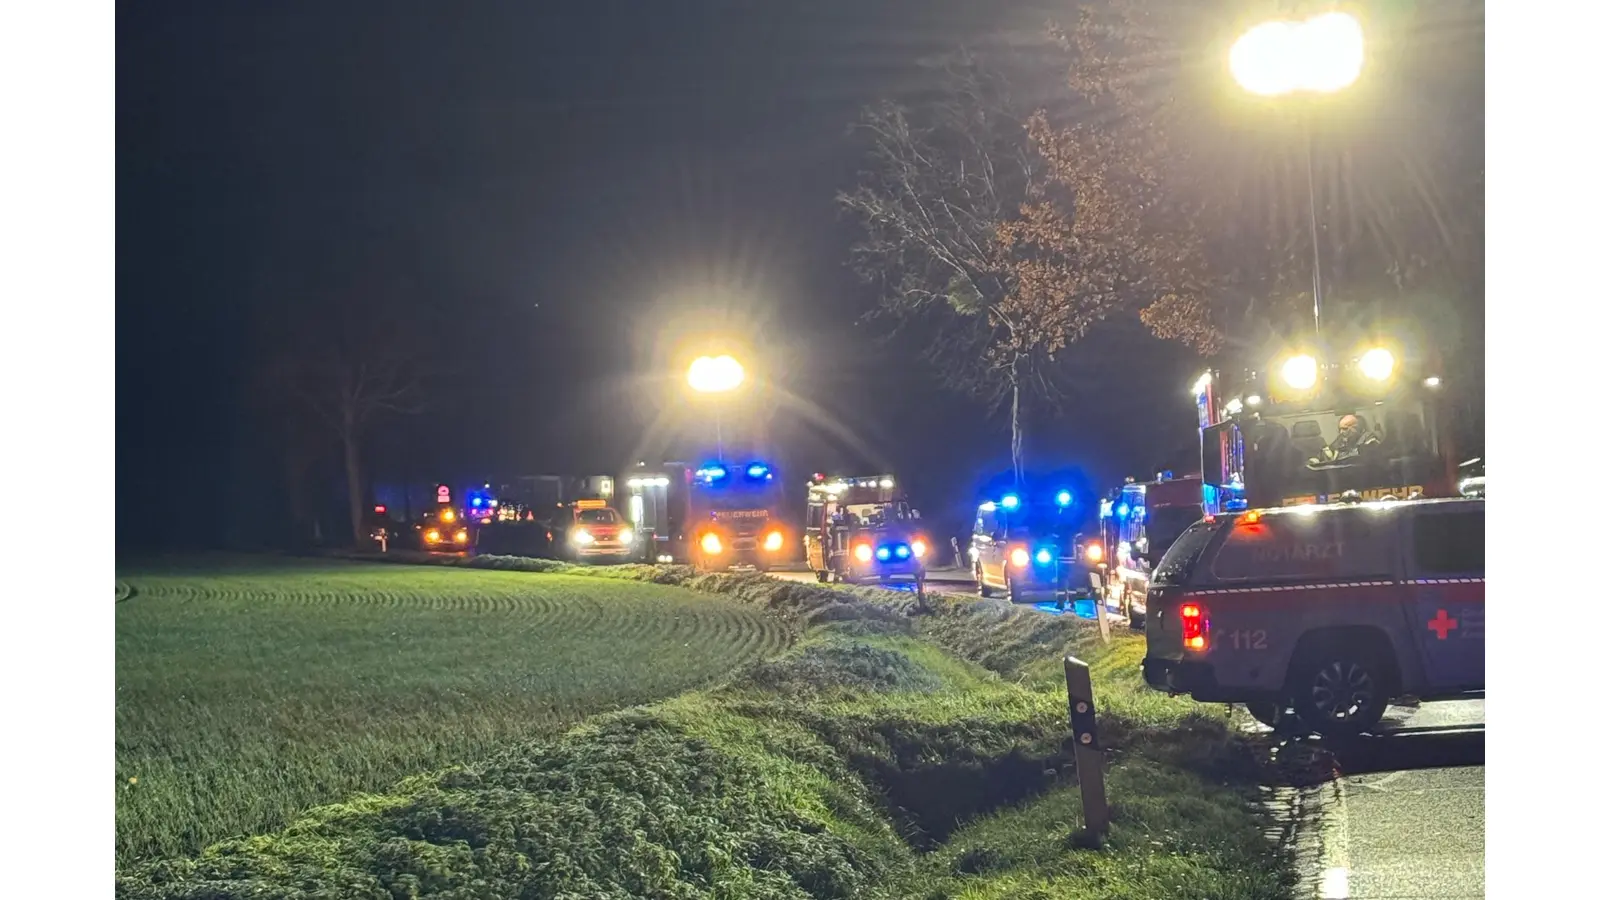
1342, 690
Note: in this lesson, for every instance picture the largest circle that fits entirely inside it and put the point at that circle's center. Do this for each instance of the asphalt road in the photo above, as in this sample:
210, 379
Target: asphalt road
955, 583
1404, 818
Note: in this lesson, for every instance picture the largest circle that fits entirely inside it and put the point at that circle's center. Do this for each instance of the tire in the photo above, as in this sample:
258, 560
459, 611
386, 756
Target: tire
1271, 713
977, 574
822, 575
1341, 690
1012, 592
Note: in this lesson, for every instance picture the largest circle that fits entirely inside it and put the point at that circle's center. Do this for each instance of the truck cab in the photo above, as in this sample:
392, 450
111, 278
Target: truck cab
736, 517
1322, 613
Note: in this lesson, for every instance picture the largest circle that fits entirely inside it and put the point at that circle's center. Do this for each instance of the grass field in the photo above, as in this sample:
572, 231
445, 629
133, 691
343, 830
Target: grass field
247, 693
893, 752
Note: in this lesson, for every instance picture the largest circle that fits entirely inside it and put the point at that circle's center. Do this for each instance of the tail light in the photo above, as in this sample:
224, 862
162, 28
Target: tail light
1196, 625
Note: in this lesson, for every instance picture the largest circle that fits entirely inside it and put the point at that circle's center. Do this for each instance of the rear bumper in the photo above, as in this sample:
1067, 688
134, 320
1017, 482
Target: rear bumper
1197, 679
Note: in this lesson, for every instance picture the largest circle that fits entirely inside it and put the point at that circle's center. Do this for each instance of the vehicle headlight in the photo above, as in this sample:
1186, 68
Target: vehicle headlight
431, 536
863, 552
919, 548
1377, 364
582, 536
1094, 552
625, 535
1300, 372
773, 541
711, 544
461, 536
1019, 557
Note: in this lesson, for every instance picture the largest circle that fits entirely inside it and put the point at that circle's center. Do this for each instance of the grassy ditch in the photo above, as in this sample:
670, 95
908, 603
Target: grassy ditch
887, 754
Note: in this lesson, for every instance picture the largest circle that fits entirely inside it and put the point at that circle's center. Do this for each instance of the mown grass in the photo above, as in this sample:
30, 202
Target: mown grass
246, 694
894, 752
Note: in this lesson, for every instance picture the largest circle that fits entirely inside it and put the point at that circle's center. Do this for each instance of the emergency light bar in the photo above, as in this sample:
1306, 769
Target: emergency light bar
590, 504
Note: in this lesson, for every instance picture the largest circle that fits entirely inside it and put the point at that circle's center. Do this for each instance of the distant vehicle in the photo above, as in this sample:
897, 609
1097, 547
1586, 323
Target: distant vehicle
658, 507
1324, 614
862, 528
1024, 545
444, 529
1141, 522
591, 530
1315, 424
735, 517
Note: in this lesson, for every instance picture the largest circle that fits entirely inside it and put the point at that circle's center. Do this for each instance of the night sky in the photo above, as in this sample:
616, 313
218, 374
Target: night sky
557, 193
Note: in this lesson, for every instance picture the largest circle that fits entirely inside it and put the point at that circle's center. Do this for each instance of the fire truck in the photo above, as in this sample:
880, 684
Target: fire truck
1140, 521
658, 507
735, 517
1311, 426
861, 528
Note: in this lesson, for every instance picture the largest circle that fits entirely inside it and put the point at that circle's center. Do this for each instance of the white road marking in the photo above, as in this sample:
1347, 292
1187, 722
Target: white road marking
1335, 883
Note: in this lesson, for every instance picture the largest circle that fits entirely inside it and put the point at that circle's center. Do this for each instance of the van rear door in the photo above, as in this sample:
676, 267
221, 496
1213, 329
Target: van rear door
1444, 586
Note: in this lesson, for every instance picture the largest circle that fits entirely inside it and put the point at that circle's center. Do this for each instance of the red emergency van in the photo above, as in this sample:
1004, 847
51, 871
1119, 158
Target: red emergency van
1326, 613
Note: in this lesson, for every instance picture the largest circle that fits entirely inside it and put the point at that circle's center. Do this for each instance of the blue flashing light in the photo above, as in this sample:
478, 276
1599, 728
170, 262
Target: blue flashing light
883, 553
757, 471
1122, 510
1063, 498
477, 501
1043, 557
712, 472
1010, 501
902, 551
986, 506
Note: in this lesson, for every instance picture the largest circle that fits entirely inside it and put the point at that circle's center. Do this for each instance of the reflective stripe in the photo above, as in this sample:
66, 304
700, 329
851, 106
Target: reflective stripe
1332, 585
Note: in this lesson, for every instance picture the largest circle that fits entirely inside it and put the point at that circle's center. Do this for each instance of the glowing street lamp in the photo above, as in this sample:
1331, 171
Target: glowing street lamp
715, 374
1320, 55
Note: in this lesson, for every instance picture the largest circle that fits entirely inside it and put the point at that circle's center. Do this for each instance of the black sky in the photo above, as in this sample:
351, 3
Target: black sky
554, 192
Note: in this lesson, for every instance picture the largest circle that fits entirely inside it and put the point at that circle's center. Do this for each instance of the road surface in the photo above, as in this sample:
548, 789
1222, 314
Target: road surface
952, 582
1404, 818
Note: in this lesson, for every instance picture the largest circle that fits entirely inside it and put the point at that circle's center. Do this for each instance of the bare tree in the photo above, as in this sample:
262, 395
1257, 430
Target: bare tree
943, 179
344, 373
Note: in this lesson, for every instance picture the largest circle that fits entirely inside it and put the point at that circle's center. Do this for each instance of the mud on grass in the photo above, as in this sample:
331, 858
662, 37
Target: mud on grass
865, 762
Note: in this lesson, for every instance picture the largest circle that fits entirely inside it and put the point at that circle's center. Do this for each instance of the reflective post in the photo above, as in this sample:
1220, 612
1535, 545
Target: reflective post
1086, 750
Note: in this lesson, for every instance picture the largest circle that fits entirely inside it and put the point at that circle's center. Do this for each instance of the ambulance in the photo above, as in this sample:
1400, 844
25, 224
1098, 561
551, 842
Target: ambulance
1317, 616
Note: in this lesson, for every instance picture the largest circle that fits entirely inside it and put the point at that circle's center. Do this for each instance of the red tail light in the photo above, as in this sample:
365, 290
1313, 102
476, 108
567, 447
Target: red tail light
1196, 625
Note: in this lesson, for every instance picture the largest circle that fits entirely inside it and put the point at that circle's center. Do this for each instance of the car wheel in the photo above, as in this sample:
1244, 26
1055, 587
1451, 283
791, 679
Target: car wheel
1013, 593
1341, 691
977, 575
1271, 713
822, 575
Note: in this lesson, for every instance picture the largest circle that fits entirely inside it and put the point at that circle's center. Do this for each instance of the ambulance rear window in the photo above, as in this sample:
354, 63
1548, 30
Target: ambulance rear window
1178, 562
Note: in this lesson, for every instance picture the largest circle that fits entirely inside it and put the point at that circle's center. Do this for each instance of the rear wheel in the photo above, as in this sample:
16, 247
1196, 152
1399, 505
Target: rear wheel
1341, 690
977, 575
1013, 593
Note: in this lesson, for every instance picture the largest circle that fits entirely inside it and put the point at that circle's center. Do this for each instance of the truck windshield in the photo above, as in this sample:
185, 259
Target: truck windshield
1177, 563
606, 516
738, 496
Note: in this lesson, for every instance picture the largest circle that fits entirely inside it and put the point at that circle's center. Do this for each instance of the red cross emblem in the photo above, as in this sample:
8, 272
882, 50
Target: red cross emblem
1442, 624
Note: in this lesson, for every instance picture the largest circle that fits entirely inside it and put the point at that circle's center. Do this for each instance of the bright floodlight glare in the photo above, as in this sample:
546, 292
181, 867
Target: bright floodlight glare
1320, 55
1377, 364
715, 374
1300, 372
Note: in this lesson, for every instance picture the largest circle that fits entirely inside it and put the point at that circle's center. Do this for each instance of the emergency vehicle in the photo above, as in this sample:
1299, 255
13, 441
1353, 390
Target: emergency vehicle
658, 508
1023, 545
863, 528
1322, 613
590, 530
735, 517
1313, 425
443, 528
1141, 522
